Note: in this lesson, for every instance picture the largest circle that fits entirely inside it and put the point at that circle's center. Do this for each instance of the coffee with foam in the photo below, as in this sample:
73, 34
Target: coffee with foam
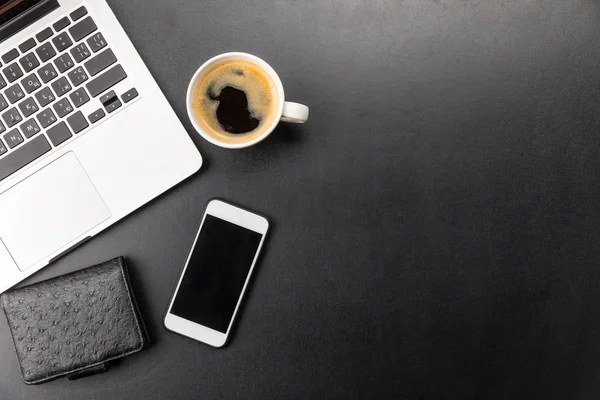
235, 101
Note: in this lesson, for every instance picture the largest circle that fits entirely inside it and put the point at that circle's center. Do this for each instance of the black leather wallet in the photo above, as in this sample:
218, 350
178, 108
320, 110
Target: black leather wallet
75, 324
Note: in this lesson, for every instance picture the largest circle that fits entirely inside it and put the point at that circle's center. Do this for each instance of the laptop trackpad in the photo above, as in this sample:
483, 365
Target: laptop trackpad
48, 210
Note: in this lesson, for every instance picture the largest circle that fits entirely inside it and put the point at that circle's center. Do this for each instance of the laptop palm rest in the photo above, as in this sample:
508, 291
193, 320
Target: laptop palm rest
48, 210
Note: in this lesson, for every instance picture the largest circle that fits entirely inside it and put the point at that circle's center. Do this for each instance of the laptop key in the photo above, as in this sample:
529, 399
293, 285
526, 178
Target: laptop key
45, 34
31, 83
107, 80
27, 153
80, 52
96, 42
10, 55
110, 101
113, 106
30, 128
64, 62
61, 86
3, 103
29, 62
14, 93
45, 97
3, 148
13, 72
61, 24
80, 12
100, 62
82, 28
27, 45
129, 95
28, 107
59, 133
47, 73
77, 122
46, 118
13, 138
79, 97
2, 82
96, 115
108, 97
11, 117
62, 42
45, 51
2, 128
62, 107
77, 76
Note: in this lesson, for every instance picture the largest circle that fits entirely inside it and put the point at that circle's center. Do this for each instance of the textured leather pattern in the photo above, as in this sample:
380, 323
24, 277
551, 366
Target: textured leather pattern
74, 323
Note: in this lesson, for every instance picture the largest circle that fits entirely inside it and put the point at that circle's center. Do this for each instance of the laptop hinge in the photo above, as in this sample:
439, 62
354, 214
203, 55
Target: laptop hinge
26, 18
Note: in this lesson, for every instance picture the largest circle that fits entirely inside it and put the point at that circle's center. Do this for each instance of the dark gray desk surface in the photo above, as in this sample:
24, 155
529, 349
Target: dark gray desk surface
436, 223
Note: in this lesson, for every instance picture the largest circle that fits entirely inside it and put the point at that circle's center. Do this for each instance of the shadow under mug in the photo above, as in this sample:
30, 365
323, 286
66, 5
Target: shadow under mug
287, 111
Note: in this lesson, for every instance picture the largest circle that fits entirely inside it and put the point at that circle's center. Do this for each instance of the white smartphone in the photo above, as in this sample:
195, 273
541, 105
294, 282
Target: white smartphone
216, 273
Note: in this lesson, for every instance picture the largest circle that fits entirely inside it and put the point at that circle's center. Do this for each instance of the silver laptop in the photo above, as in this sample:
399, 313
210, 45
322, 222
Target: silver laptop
86, 135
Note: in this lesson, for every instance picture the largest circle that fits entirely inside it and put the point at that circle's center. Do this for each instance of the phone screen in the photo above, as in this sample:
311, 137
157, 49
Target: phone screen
216, 273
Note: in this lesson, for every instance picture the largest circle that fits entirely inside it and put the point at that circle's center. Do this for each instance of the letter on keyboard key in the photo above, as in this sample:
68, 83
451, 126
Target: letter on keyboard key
23, 156
46, 117
30, 128
45, 52
3, 103
64, 62
107, 80
11, 117
29, 62
14, 93
44, 97
79, 97
62, 41
61, 86
80, 52
59, 133
77, 76
82, 29
28, 107
31, 83
47, 73
12, 72
13, 138
62, 107
96, 42
3, 148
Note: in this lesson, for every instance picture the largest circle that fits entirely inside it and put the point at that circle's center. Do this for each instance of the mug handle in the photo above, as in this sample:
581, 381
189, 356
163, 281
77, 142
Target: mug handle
294, 112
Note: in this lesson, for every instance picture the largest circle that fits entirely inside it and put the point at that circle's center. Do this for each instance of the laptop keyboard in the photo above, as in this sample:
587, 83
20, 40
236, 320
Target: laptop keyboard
44, 82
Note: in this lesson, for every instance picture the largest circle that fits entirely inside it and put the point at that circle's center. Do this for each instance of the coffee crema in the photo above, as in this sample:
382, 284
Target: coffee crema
235, 101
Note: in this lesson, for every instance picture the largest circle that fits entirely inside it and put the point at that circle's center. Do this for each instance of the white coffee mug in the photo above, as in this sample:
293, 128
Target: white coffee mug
287, 111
